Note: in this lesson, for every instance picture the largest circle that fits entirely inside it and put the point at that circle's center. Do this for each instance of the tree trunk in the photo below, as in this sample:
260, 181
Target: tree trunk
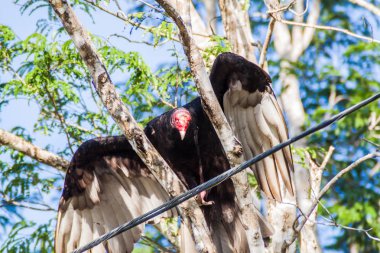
135, 135
290, 45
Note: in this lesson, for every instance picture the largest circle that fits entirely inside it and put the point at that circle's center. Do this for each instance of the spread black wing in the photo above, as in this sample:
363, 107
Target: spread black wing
106, 185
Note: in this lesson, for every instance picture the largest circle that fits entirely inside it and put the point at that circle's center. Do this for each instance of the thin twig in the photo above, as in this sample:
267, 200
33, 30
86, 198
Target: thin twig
372, 143
303, 12
136, 41
151, 6
329, 28
324, 190
266, 42
121, 15
80, 128
152, 243
12, 202
327, 157
281, 9
118, 4
60, 118
372, 8
332, 222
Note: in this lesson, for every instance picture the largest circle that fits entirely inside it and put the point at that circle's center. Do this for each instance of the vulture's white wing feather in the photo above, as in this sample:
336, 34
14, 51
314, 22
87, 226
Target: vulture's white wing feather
257, 121
110, 196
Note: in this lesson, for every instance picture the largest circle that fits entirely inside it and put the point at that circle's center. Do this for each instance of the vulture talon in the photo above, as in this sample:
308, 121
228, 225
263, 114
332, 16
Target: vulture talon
200, 198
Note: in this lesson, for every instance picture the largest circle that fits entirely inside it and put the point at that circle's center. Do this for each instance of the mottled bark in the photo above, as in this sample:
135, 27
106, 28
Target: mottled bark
316, 199
119, 112
213, 110
17, 143
211, 17
309, 241
202, 81
237, 27
201, 32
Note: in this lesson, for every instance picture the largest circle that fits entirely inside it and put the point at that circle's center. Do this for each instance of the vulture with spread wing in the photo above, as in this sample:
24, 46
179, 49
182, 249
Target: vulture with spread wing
107, 184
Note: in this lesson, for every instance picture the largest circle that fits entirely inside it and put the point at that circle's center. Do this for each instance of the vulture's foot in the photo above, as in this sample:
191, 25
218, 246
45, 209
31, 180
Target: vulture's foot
201, 199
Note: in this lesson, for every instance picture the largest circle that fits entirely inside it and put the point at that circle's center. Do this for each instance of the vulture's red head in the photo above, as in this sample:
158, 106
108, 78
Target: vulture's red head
180, 120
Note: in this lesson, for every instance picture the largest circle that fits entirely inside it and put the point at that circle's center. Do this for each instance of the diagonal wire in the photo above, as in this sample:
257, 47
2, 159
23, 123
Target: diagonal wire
220, 178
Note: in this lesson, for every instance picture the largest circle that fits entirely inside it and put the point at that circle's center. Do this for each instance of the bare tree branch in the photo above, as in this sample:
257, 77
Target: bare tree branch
332, 222
329, 28
211, 14
282, 42
312, 19
26, 204
237, 27
266, 43
121, 15
119, 112
213, 110
308, 238
372, 8
201, 33
17, 143
209, 101
324, 190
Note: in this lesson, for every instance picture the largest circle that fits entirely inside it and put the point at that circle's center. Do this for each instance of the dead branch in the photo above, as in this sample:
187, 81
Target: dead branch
316, 173
266, 43
17, 143
329, 28
369, 6
122, 116
324, 190
237, 27
26, 204
121, 15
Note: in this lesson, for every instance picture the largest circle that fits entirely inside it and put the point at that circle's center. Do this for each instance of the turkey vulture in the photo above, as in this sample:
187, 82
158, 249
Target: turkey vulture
107, 184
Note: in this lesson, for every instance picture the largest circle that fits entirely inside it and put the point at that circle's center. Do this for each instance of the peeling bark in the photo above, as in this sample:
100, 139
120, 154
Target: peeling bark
17, 143
201, 32
309, 240
213, 110
237, 27
140, 143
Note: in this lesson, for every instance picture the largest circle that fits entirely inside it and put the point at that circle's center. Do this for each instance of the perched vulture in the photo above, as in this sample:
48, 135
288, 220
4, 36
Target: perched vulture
107, 184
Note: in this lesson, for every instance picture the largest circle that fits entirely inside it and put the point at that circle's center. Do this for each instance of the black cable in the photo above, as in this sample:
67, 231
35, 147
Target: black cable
220, 178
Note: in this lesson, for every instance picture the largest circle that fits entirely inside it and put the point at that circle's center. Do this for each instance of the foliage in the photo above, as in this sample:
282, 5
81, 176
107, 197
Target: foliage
48, 72
335, 72
44, 69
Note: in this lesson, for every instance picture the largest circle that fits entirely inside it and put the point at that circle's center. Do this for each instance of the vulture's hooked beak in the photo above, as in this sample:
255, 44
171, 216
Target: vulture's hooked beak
182, 133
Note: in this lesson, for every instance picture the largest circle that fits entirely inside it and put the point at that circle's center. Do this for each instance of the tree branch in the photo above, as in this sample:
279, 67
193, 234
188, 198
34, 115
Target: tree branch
282, 42
372, 8
214, 112
266, 43
17, 143
312, 19
237, 27
119, 112
325, 189
202, 81
329, 28
29, 205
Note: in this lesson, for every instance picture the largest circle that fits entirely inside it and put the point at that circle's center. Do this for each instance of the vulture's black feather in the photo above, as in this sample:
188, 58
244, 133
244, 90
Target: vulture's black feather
107, 184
